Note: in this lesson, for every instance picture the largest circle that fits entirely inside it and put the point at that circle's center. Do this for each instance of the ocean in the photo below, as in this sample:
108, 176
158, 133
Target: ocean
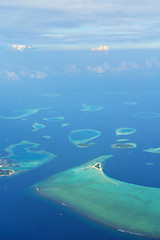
26, 215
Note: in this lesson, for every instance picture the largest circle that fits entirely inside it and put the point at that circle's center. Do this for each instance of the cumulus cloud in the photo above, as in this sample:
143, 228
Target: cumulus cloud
106, 67
72, 69
20, 47
153, 62
100, 68
101, 48
123, 67
11, 76
38, 75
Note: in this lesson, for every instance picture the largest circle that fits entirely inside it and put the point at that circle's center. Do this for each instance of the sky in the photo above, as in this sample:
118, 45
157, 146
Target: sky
80, 24
43, 40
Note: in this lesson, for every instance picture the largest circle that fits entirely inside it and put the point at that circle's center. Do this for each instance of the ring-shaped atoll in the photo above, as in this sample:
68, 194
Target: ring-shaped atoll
54, 119
47, 137
90, 108
88, 190
37, 126
21, 157
51, 95
64, 125
147, 115
153, 150
130, 103
22, 113
82, 137
122, 140
125, 131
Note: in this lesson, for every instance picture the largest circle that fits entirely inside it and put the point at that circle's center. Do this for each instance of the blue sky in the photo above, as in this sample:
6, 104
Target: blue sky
105, 39
80, 24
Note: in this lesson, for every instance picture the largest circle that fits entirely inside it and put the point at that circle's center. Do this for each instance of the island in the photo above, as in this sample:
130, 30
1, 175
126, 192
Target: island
37, 126
130, 103
88, 190
54, 119
90, 108
4, 173
21, 158
147, 115
125, 131
98, 166
124, 145
51, 95
64, 125
5, 166
122, 140
47, 137
85, 145
82, 137
153, 150
22, 113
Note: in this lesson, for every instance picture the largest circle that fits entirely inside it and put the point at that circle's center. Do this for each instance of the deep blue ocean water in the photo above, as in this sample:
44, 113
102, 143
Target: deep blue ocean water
24, 215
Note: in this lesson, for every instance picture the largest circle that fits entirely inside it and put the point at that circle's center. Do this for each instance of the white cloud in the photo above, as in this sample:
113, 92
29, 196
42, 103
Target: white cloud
134, 65
88, 6
72, 69
11, 76
81, 24
123, 67
38, 75
153, 62
101, 48
20, 47
100, 68
106, 67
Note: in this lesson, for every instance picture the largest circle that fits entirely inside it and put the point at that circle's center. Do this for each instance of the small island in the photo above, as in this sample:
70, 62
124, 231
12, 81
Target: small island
130, 103
21, 158
37, 126
54, 119
147, 115
98, 166
21, 114
64, 125
85, 145
47, 137
90, 108
124, 145
5, 165
82, 137
153, 150
4, 173
122, 140
125, 131
51, 95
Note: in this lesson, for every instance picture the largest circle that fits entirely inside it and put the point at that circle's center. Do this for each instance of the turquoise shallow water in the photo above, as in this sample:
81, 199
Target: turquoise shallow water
125, 131
37, 126
21, 114
54, 119
147, 115
90, 108
23, 156
83, 136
